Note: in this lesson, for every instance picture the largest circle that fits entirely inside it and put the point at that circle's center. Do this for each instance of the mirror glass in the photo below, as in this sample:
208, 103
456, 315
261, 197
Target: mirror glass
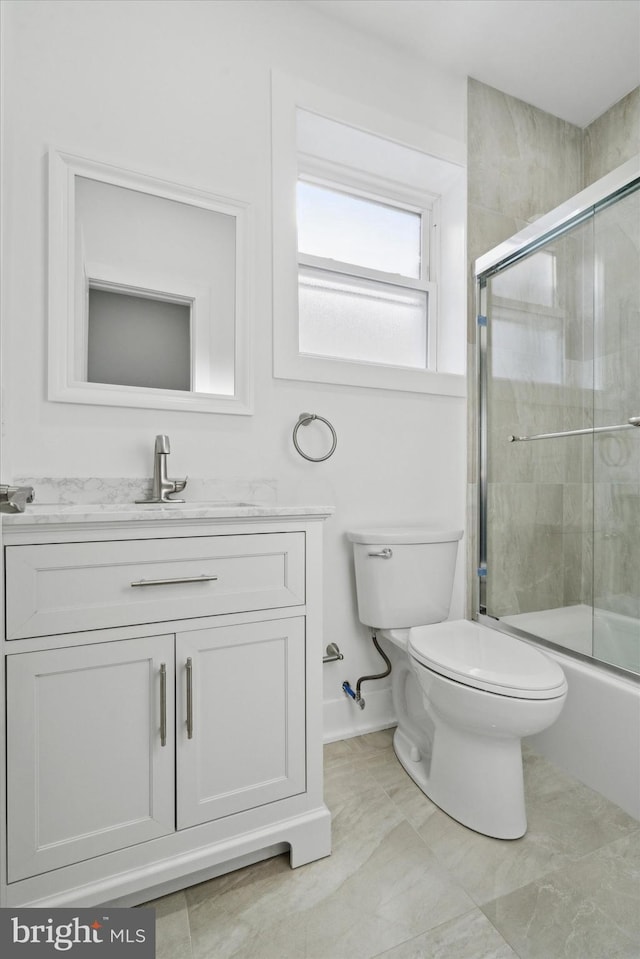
138, 341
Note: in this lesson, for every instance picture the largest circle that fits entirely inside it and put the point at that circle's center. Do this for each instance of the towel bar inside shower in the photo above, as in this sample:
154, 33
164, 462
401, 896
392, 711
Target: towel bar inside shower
631, 422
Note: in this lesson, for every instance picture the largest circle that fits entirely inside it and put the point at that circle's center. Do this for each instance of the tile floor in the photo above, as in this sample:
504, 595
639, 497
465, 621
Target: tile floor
406, 882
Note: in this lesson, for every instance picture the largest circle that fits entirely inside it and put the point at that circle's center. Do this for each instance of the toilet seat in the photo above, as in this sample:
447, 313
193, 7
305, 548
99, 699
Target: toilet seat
486, 659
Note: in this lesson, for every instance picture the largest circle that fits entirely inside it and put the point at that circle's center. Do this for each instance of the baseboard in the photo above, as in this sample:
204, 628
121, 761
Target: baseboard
344, 719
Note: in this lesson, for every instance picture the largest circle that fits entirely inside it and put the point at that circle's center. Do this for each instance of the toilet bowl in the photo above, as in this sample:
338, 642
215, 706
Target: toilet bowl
484, 691
464, 694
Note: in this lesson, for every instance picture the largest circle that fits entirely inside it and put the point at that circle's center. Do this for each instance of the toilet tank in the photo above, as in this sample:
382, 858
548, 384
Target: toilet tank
404, 575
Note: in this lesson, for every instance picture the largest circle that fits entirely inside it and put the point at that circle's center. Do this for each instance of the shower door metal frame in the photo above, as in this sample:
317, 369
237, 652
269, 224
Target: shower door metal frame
604, 192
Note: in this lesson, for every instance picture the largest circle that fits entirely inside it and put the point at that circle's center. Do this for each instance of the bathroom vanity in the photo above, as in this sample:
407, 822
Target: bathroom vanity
163, 697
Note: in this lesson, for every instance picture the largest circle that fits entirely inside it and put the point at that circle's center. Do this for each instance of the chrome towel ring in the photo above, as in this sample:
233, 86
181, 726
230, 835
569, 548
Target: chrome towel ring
303, 420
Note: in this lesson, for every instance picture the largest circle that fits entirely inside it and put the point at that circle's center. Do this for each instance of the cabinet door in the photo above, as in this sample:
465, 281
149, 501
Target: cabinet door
87, 770
240, 717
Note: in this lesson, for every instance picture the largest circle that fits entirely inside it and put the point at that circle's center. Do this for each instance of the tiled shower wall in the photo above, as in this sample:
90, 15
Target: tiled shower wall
522, 163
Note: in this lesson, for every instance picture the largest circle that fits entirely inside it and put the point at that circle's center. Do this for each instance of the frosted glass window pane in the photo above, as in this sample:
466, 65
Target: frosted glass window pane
349, 318
351, 229
138, 341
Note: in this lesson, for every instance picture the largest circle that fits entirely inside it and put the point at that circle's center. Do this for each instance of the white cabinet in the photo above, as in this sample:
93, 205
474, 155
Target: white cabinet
87, 772
167, 726
65, 587
241, 714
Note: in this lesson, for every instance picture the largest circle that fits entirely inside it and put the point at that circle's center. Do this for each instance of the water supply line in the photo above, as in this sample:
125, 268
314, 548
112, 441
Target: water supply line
355, 694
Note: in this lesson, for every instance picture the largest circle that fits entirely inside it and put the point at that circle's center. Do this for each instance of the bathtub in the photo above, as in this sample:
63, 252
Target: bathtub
610, 637
597, 737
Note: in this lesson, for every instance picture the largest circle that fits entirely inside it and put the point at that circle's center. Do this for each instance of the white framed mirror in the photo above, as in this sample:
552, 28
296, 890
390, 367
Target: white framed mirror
148, 291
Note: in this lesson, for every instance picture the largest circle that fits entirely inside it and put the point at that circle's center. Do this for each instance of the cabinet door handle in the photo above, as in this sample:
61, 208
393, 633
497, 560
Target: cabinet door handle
189, 670
178, 579
163, 704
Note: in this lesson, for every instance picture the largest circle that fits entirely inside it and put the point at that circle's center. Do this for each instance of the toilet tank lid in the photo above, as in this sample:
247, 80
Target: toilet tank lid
396, 535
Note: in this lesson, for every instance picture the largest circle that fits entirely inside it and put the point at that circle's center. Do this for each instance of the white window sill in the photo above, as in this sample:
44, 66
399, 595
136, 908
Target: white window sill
319, 369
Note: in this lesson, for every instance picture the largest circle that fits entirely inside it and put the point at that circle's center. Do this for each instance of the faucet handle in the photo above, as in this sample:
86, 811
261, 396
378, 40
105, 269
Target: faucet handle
162, 444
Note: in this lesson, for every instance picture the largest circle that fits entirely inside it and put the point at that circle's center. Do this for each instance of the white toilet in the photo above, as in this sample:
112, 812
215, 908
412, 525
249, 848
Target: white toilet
464, 694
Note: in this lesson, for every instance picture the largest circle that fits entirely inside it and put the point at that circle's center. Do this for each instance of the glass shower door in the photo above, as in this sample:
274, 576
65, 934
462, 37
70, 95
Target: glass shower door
539, 380
559, 459
616, 455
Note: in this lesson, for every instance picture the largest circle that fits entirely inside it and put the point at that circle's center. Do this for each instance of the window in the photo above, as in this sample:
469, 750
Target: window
361, 290
361, 231
368, 246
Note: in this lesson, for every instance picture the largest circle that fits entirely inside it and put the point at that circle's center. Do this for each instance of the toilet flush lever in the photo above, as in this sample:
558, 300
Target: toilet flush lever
385, 553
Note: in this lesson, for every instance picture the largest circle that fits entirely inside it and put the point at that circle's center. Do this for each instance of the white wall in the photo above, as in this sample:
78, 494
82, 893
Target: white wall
180, 90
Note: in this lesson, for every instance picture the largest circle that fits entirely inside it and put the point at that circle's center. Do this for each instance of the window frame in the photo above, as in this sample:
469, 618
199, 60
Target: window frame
288, 95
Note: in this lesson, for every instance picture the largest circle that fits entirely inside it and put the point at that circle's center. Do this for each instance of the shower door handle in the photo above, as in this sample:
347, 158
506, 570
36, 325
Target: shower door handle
587, 431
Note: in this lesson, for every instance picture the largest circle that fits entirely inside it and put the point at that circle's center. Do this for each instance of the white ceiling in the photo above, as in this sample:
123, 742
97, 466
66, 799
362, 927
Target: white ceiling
572, 58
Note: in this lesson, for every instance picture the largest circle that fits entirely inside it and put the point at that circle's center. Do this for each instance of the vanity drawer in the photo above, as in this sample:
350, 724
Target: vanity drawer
67, 587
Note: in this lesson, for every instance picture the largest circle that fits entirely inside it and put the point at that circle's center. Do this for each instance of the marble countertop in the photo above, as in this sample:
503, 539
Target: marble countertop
42, 514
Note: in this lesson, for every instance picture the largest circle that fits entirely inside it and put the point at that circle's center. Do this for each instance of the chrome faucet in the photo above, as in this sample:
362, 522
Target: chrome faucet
14, 499
162, 487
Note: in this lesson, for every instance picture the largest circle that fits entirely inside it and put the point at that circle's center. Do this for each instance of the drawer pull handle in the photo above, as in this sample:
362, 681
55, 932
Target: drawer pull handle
178, 579
189, 669
163, 704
